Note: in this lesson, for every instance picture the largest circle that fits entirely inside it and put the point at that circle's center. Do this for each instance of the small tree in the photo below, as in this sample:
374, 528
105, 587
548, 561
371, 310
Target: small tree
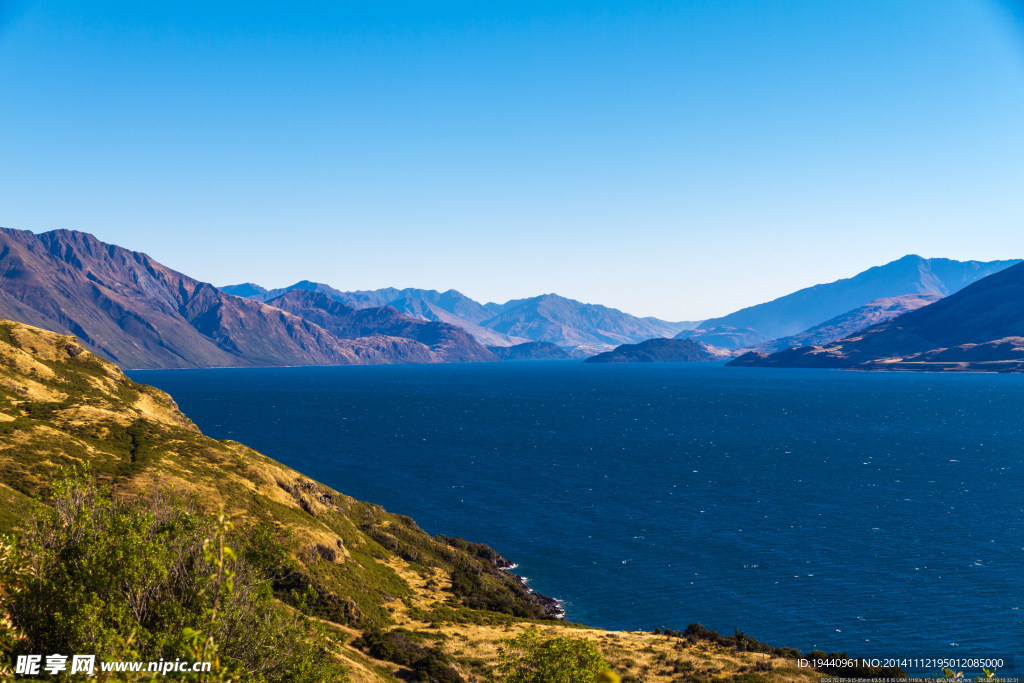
530, 657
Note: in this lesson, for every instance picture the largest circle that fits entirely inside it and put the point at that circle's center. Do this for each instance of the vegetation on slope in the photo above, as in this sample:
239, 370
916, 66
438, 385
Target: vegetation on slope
317, 579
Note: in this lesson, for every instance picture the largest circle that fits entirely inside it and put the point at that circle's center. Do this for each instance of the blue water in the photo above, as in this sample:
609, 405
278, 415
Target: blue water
871, 512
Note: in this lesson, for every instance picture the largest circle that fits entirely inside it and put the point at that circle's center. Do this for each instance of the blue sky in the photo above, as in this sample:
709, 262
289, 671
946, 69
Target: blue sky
678, 159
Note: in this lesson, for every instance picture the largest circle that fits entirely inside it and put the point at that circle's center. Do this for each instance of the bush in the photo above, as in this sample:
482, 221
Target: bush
157, 578
532, 658
404, 648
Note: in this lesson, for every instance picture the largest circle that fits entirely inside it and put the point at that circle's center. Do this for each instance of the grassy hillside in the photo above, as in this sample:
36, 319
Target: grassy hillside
368, 572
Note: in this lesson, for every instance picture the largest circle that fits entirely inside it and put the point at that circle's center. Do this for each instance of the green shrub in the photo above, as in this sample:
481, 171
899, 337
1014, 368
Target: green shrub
406, 648
157, 578
532, 658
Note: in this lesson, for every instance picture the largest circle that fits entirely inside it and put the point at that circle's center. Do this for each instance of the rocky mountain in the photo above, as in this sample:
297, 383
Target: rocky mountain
981, 327
547, 318
396, 602
530, 351
450, 307
441, 342
659, 351
803, 309
858, 319
137, 312
141, 314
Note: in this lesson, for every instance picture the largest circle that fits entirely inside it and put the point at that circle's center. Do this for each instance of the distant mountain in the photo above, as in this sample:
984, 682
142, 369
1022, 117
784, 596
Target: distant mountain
566, 322
549, 318
530, 351
858, 319
796, 312
725, 337
141, 314
452, 301
447, 343
247, 290
450, 307
981, 327
658, 351
421, 308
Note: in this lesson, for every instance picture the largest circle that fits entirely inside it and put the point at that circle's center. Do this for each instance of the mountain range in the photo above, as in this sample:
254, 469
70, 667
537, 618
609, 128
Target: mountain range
139, 313
582, 329
805, 308
980, 327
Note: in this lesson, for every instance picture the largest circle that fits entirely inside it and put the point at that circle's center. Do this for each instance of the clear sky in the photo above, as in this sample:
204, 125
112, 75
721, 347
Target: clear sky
679, 159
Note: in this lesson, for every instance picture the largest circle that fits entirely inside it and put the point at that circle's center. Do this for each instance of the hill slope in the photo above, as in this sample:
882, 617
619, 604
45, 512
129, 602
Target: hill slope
530, 351
367, 570
980, 327
446, 343
658, 351
796, 312
872, 313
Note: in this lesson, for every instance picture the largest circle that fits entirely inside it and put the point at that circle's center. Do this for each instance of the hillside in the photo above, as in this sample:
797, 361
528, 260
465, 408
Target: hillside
450, 307
369, 571
443, 342
805, 308
659, 351
530, 351
872, 313
138, 313
980, 327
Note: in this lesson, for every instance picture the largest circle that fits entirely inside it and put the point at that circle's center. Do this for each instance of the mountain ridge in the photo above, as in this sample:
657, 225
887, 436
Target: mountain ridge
980, 327
912, 274
140, 313
544, 318
851, 322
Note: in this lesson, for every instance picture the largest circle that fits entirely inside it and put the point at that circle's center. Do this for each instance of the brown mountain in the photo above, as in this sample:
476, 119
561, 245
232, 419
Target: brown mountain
847, 324
659, 351
445, 343
981, 327
141, 314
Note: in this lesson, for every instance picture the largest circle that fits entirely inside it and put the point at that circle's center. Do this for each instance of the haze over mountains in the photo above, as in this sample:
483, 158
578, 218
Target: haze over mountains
981, 327
848, 323
805, 308
582, 328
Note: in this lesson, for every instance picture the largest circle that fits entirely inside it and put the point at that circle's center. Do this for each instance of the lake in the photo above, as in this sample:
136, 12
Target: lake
875, 513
